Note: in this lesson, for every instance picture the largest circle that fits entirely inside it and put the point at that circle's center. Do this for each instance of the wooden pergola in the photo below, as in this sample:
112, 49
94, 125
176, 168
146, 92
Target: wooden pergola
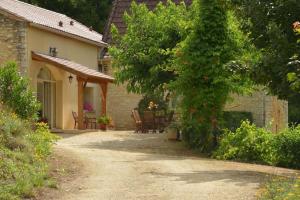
84, 75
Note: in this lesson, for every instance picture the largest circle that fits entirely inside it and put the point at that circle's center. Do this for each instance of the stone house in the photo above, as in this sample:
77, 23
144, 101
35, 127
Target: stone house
61, 58
264, 108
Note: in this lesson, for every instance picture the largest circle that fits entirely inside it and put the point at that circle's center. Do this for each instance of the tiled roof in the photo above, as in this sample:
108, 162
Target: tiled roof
118, 10
73, 67
50, 20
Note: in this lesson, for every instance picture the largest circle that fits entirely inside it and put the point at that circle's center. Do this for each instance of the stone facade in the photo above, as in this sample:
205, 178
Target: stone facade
268, 111
13, 37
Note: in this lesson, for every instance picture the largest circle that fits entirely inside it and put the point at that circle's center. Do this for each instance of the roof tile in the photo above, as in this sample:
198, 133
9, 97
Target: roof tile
49, 19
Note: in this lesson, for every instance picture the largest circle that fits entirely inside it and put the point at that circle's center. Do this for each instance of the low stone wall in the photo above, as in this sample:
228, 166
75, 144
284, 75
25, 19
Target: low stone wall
13, 43
267, 111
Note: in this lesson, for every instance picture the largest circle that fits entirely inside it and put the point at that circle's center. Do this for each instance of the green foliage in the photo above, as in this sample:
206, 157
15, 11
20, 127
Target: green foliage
156, 99
248, 143
269, 23
143, 56
232, 119
279, 188
212, 62
15, 93
105, 120
200, 54
89, 12
287, 146
23, 156
294, 109
252, 144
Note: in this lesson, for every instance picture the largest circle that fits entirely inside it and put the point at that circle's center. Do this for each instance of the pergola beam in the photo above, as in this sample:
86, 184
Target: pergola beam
103, 87
80, 103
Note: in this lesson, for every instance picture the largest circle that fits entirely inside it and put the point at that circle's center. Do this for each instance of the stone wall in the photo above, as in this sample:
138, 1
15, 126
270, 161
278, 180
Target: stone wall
268, 111
13, 41
120, 105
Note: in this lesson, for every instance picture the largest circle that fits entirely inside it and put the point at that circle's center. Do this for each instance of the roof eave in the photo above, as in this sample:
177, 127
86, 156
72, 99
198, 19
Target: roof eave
66, 34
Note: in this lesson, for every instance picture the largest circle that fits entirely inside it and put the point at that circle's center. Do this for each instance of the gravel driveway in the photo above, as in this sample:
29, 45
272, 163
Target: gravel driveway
124, 165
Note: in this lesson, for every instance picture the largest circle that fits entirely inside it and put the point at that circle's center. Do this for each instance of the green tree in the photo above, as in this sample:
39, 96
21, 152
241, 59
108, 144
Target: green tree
212, 63
144, 56
15, 92
89, 12
294, 77
269, 23
198, 53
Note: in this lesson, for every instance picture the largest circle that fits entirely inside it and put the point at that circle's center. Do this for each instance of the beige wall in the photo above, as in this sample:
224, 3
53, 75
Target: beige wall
66, 93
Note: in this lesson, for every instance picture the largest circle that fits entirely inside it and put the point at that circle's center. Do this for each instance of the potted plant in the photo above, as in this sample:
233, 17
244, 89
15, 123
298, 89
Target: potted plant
103, 122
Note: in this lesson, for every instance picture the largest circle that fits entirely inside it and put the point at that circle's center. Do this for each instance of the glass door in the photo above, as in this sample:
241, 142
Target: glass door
46, 96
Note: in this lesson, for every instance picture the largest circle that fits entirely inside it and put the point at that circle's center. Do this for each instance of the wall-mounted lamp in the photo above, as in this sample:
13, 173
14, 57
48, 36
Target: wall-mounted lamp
70, 78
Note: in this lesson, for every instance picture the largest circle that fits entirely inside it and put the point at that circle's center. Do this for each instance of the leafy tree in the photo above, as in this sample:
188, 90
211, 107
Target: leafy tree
143, 57
15, 93
89, 12
269, 23
294, 77
200, 54
212, 63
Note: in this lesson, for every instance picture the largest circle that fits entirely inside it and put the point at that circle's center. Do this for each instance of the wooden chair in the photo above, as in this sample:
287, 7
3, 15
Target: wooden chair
138, 121
149, 121
92, 121
75, 117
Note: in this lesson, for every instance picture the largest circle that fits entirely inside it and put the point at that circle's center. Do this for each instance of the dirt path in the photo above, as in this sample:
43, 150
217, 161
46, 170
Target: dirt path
123, 165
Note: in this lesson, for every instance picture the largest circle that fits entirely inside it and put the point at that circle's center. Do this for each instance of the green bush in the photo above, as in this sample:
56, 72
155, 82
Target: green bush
15, 93
287, 145
232, 119
156, 99
248, 143
23, 154
252, 144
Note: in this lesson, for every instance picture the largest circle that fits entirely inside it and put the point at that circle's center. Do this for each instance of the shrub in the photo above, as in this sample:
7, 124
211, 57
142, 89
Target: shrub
15, 93
156, 99
23, 154
248, 143
287, 145
252, 144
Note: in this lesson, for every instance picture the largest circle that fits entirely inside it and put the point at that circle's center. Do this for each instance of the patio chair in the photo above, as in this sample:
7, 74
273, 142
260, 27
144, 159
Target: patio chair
92, 121
75, 117
138, 122
149, 121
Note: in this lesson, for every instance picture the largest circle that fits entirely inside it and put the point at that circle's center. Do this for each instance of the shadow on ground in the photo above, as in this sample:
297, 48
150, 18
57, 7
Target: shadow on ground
143, 143
239, 177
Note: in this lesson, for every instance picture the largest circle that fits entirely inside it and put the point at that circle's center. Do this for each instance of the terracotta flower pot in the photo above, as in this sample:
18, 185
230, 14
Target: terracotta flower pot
103, 127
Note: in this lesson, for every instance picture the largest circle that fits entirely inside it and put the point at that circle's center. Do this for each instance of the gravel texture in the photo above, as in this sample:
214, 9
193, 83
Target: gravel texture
123, 165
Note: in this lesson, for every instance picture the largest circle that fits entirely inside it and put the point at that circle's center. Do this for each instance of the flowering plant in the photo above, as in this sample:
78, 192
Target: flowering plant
88, 107
152, 106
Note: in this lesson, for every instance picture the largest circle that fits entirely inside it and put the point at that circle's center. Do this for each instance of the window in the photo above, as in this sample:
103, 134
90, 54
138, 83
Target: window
103, 68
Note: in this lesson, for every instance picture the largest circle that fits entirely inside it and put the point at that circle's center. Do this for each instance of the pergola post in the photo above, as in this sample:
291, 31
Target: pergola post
80, 103
103, 97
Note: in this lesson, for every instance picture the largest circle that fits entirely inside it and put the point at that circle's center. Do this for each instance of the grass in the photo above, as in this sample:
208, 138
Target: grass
281, 188
23, 157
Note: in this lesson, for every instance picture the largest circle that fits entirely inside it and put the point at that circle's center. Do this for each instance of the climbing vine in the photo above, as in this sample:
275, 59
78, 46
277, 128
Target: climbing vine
211, 63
